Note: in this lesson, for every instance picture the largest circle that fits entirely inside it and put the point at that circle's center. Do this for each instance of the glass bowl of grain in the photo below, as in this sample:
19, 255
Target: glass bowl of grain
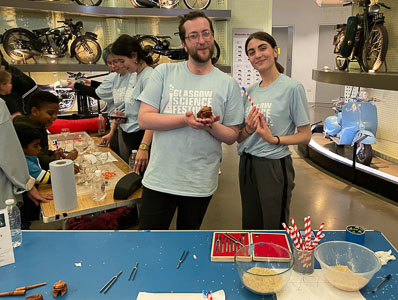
264, 268
347, 266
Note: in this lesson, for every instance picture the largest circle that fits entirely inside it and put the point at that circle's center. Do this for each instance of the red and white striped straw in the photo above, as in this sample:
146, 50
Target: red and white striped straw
297, 233
307, 228
248, 96
294, 238
318, 236
316, 241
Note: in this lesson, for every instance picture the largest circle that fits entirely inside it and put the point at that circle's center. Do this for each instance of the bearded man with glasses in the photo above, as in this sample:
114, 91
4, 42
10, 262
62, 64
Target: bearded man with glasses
186, 150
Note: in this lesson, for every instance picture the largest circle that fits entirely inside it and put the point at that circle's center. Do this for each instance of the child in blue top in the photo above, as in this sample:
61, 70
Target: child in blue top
279, 118
30, 142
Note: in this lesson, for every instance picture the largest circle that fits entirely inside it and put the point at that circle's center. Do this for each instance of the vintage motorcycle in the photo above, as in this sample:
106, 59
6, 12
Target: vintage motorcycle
354, 122
21, 44
159, 45
363, 39
191, 4
84, 2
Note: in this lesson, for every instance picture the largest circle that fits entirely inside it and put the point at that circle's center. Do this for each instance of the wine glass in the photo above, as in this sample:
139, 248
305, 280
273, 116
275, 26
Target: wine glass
80, 144
103, 157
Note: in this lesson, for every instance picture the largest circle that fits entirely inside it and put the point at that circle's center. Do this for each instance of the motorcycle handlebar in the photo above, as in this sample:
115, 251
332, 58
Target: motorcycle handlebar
348, 4
385, 6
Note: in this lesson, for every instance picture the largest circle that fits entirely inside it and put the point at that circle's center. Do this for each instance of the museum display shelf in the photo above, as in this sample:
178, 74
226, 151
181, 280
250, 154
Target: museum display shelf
383, 81
79, 67
107, 12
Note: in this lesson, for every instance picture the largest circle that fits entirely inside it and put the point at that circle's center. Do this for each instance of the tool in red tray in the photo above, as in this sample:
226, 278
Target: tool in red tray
225, 245
233, 239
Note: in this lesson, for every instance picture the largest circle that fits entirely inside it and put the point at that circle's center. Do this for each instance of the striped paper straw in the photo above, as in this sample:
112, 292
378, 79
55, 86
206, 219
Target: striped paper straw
294, 238
297, 233
318, 236
208, 295
316, 241
307, 229
248, 96
296, 244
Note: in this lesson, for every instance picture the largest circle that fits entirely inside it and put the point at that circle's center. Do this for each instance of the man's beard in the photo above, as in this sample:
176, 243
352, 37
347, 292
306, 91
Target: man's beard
200, 59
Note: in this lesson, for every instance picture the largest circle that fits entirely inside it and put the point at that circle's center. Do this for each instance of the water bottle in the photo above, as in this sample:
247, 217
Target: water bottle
15, 222
101, 124
98, 186
132, 160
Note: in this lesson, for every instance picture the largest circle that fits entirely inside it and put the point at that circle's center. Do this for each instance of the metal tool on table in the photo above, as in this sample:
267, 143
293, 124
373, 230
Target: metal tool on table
108, 285
133, 271
218, 242
182, 258
235, 240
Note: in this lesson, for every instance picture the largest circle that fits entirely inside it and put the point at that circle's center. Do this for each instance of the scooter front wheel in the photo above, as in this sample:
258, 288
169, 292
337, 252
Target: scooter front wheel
364, 154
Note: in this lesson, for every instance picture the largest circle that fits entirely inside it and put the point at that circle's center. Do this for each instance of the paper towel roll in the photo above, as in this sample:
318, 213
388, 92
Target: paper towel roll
63, 184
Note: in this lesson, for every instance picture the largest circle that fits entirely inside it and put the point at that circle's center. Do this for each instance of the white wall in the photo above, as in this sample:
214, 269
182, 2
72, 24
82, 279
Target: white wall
306, 16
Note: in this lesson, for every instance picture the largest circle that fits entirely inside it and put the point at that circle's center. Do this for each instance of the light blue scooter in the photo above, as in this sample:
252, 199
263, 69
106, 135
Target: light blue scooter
354, 122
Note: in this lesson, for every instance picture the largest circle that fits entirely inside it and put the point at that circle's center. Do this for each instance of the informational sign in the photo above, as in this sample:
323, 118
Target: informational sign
6, 250
242, 70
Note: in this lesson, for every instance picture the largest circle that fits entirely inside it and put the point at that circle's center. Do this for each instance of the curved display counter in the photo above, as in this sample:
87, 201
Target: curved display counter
375, 180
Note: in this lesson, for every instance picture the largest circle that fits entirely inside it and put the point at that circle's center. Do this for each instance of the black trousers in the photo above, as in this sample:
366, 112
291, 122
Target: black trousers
129, 141
157, 210
29, 212
266, 190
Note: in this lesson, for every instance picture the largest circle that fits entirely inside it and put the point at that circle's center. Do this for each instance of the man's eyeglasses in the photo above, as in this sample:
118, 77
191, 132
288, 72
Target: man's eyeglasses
194, 36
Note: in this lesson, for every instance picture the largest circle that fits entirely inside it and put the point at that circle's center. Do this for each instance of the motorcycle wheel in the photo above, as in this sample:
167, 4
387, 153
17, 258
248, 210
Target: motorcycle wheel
197, 4
341, 63
136, 4
148, 44
12, 43
374, 50
364, 154
87, 50
89, 2
216, 54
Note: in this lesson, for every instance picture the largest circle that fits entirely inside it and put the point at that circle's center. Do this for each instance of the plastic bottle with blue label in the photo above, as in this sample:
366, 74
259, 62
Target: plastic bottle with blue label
14, 217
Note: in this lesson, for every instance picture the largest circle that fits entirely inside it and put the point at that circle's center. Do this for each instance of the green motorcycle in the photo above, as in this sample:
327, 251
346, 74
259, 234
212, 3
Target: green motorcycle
363, 39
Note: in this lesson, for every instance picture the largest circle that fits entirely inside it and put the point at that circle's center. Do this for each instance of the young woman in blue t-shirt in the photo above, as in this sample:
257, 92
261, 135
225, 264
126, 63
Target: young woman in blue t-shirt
278, 118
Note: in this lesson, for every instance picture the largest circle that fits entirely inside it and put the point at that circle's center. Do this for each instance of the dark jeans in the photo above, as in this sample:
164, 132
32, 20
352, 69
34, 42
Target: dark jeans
157, 210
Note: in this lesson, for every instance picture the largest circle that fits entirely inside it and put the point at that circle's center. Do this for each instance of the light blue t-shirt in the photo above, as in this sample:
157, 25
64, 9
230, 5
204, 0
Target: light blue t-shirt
115, 89
132, 105
285, 107
185, 161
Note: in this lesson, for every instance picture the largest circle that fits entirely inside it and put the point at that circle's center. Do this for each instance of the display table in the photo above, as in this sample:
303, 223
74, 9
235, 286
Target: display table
49, 256
85, 202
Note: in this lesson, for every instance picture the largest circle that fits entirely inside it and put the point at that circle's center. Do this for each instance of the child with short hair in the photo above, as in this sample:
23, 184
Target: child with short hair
42, 109
30, 142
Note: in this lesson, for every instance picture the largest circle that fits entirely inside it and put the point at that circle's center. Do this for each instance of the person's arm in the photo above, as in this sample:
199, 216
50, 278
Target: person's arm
86, 90
302, 135
150, 118
106, 139
249, 127
225, 134
12, 159
142, 157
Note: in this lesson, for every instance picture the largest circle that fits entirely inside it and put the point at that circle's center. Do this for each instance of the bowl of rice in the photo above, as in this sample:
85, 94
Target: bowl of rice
347, 266
264, 268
